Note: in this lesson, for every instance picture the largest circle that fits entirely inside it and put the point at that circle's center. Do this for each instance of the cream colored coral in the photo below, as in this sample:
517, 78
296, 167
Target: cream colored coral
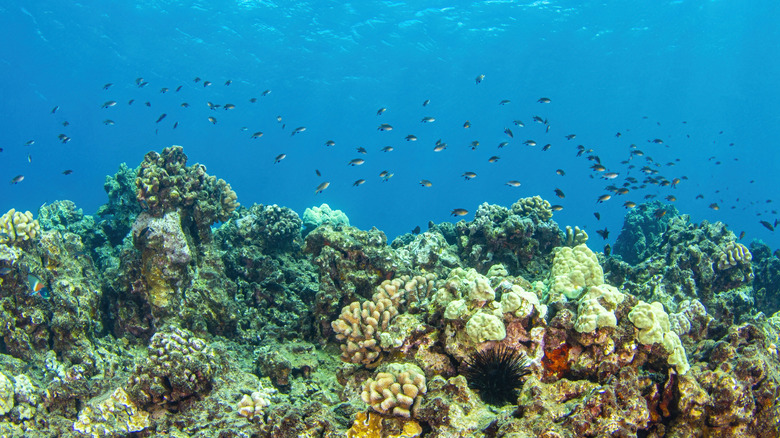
114, 416
689, 311
18, 227
596, 308
484, 327
522, 303
654, 327
359, 324
734, 254
573, 270
398, 390
575, 236
253, 406
6, 394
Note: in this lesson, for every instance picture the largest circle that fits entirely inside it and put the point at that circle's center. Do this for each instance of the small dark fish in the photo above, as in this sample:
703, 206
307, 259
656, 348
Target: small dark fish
387, 149
428, 120
469, 175
321, 187
107, 86
530, 142
5, 270
571, 136
715, 206
459, 212
29, 158
163, 90
252, 100
544, 100
206, 83
480, 78
362, 150
176, 124
279, 158
603, 233
671, 198
213, 120
546, 147
266, 93
607, 250
149, 104
597, 215
603, 198
54, 110
358, 182
411, 137
741, 235
504, 102
508, 132
162, 116
178, 88
474, 145
65, 123
196, 80
317, 171
30, 143
381, 111
143, 84
185, 105
502, 144
139, 80
519, 123
108, 104
425, 183
257, 134
385, 127
67, 172
556, 207
17, 179
356, 162
228, 82
467, 124
560, 172
229, 106
767, 225
513, 183
559, 193
416, 230
493, 159
426, 102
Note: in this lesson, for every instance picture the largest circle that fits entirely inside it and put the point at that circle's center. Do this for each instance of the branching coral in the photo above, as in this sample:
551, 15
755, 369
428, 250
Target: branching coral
359, 325
17, 227
397, 391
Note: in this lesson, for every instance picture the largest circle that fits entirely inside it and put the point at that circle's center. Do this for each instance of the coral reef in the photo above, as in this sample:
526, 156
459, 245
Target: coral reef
186, 315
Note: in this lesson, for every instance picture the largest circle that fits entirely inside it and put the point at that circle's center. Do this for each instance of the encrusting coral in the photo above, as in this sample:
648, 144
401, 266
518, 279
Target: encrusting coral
573, 270
397, 390
18, 227
114, 416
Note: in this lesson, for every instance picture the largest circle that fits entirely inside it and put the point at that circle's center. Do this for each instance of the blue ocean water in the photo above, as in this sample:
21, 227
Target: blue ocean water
700, 76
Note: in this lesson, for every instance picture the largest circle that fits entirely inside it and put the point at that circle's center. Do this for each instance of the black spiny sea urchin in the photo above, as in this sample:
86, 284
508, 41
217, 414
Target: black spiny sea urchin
496, 374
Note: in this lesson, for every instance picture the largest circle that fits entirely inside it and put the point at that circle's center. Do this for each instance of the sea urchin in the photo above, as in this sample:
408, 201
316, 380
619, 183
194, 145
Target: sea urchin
496, 374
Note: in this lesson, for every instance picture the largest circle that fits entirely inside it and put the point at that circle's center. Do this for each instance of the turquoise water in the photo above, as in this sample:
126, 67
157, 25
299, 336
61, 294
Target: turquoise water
700, 76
